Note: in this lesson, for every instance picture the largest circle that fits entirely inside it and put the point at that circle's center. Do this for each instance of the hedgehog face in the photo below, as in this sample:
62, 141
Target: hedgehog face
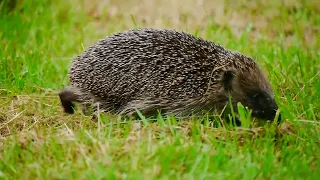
253, 92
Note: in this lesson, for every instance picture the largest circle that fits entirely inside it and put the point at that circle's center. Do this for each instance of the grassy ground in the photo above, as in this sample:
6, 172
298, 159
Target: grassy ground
38, 141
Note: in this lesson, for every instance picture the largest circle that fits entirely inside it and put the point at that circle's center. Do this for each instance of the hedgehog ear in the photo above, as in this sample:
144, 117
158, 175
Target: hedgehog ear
227, 79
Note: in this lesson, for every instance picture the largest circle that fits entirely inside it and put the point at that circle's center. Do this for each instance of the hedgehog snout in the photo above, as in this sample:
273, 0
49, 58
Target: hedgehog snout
263, 106
267, 112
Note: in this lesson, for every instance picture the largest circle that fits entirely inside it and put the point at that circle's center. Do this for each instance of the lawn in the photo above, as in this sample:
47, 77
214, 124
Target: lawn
38, 40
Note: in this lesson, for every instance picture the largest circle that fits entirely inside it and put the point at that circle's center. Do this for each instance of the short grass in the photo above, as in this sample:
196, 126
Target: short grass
38, 141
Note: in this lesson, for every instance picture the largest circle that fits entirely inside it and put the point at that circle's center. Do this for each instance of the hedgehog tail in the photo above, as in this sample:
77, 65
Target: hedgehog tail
72, 94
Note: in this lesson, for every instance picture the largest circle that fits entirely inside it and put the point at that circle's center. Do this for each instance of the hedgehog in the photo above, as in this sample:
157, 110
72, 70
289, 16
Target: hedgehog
167, 71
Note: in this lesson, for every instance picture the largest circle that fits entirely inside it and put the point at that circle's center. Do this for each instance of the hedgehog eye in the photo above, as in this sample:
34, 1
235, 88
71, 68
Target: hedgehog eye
255, 95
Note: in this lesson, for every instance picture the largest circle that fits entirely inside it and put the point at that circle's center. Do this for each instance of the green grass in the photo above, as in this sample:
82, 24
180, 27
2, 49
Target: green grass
38, 141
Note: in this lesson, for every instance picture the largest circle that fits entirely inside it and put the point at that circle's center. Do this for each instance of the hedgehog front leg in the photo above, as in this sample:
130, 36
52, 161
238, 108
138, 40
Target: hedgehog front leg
230, 119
